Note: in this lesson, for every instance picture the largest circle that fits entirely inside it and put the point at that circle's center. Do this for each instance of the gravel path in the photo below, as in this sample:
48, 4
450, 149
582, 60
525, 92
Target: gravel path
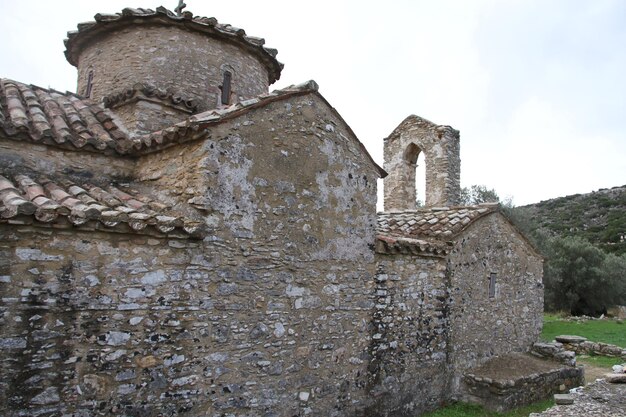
598, 399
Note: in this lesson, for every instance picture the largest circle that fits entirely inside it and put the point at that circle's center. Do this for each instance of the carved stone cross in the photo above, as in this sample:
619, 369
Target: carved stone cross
181, 6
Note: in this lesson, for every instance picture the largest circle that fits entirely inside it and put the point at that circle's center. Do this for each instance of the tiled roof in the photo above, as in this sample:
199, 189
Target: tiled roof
439, 223
207, 25
36, 114
425, 232
408, 246
119, 208
49, 117
148, 90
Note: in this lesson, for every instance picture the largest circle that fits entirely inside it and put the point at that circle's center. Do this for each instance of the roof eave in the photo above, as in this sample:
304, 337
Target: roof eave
104, 23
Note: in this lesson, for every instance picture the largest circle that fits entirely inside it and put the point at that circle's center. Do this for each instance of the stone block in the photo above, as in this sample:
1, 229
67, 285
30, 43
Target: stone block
571, 339
563, 399
616, 378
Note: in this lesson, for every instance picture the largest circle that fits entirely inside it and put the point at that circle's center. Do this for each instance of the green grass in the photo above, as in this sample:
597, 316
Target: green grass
470, 410
599, 361
607, 331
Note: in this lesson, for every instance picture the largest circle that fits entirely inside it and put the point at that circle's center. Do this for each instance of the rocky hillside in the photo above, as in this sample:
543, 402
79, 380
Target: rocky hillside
599, 217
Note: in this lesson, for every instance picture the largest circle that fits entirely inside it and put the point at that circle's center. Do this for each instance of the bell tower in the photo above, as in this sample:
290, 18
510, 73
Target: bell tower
441, 148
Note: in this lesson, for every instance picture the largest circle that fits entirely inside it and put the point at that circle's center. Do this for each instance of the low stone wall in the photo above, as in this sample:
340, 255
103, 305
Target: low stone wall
582, 346
503, 395
555, 351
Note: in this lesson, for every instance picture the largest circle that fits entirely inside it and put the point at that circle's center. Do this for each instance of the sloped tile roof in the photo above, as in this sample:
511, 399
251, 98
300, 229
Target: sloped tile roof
49, 117
207, 25
46, 116
149, 90
408, 246
40, 115
41, 202
429, 226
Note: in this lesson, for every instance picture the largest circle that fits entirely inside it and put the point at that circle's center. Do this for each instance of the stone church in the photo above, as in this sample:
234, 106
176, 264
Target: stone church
177, 240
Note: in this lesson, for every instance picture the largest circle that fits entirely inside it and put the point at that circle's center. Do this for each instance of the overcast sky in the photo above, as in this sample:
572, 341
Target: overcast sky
537, 88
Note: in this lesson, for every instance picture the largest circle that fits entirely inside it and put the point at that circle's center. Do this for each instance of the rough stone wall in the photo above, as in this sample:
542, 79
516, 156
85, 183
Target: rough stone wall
441, 148
483, 327
269, 315
48, 160
410, 369
126, 325
186, 62
289, 173
142, 116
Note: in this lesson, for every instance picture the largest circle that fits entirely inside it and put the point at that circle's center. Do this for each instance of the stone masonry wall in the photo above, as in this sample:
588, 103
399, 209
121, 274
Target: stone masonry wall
410, 365
441, 148
271, 314
483, 327
289, 174
188, 63
126, 325
142, 116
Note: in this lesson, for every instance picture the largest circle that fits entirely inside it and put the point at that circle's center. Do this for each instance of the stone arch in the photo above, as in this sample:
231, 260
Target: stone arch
440, 147
412, 154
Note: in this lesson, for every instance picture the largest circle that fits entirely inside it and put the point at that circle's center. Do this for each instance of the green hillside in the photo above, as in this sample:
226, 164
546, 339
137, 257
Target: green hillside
599, 217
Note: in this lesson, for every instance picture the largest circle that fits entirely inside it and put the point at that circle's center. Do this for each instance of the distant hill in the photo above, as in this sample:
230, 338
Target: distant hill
599, 217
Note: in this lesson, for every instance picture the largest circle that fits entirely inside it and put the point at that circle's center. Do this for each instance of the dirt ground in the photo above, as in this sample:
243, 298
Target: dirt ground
593, 372
512, 366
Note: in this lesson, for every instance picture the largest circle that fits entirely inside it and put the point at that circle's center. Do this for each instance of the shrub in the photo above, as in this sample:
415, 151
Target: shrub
581, 278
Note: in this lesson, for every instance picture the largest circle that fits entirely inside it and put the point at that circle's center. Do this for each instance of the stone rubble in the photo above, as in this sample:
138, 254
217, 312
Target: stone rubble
598, 399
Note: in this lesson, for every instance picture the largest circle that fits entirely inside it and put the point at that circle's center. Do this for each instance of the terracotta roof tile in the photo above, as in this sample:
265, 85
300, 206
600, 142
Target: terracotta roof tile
186, 104
207, 25
24, 200
54, 118
408, 246
46, 116
71, 122
437, 223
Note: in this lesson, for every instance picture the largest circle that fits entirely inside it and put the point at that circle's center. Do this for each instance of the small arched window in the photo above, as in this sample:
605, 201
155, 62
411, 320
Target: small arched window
415, 174
89, 84
226, 87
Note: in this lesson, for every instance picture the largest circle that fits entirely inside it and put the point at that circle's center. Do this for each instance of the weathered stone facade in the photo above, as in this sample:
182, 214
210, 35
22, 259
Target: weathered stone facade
453, 322
163, 256
509, 319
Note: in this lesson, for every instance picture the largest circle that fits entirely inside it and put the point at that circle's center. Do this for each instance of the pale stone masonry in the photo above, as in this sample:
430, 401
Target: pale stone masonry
441, 148
185, 242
